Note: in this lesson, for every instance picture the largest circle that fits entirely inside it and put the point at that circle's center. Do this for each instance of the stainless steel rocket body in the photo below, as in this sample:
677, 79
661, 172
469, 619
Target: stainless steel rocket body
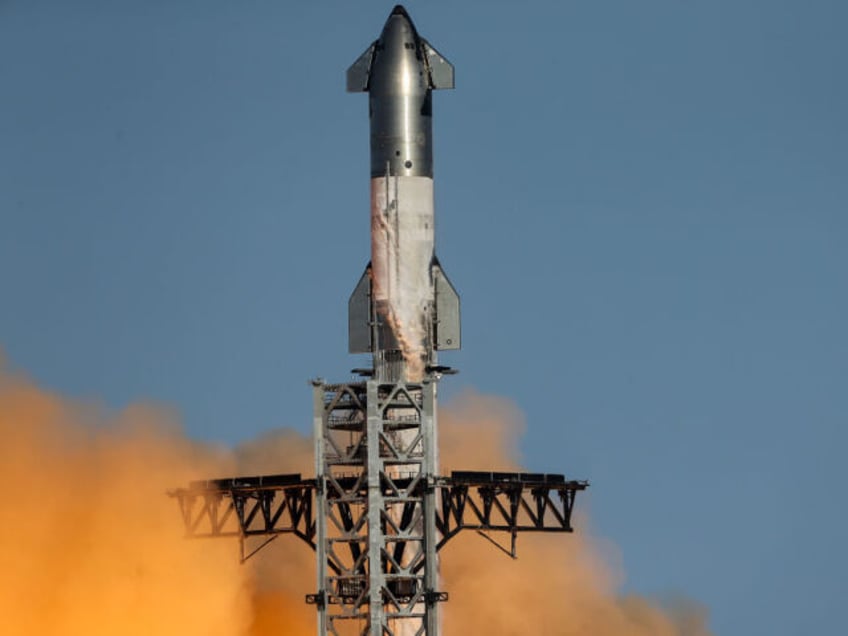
399, 72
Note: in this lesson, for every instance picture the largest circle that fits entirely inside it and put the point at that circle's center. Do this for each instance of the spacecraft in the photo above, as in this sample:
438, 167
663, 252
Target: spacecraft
404, 308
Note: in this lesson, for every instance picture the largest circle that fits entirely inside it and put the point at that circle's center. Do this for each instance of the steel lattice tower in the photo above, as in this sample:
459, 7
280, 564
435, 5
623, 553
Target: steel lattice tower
376, 533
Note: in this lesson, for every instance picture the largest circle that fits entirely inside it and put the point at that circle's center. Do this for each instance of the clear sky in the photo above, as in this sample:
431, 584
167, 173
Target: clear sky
643, 205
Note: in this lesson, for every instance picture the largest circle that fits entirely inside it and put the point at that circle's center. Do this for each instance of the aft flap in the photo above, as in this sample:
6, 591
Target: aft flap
359, 315
447, 323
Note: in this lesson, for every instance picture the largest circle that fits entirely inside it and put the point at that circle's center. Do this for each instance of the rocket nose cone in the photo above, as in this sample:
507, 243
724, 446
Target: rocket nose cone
397, 64
398, 20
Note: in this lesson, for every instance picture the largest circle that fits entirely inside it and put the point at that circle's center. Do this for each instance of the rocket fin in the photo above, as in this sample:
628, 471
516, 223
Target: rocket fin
441, 71
446, 325
359, 315
359, 73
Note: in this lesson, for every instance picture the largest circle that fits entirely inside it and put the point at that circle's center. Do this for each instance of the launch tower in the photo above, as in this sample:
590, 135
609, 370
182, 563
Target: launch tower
377, 511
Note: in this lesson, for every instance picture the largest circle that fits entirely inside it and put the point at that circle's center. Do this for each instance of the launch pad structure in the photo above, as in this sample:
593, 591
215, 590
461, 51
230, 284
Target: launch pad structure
377, 512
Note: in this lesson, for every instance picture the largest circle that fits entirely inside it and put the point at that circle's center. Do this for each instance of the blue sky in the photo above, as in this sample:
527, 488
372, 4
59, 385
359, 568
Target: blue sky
643, 205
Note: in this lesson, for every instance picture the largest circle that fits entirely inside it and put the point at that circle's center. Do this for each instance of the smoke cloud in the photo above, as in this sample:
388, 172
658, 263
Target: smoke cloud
90, 544
561, 585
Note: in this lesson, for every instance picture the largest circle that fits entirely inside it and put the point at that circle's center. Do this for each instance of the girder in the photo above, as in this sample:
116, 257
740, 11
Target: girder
491, 502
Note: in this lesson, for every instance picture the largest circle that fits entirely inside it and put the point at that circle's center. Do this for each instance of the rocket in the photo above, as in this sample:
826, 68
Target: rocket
404, 309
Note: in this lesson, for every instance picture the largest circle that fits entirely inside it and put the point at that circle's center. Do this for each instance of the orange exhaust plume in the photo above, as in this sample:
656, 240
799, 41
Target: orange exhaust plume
558, 585
90, 544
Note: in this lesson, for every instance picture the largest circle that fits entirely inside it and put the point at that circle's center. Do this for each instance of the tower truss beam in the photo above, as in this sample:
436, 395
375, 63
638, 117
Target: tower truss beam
489, 502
